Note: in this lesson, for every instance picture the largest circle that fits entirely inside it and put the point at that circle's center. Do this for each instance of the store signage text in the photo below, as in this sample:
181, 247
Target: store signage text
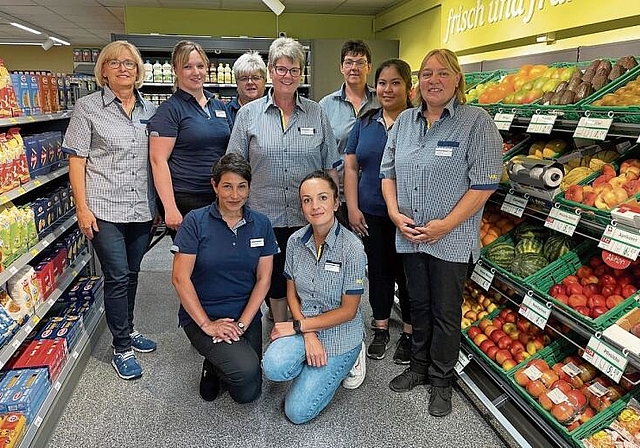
485, 12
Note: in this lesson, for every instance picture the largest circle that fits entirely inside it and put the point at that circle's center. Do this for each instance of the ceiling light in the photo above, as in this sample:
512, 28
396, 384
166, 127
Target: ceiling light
26, 28
21, 43
60, 41
47, 44
274, 5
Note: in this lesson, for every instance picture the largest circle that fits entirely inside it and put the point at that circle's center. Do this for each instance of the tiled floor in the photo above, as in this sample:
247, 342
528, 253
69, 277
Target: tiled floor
163, 408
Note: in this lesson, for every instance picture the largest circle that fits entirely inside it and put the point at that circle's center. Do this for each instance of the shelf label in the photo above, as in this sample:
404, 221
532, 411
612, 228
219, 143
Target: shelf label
607, 359
28, 328
514, 205
13, 270
534, 311
541, 124
503, 121
463, 360
16, 343
51, 301
562, 221
593, 128
621, 242
37, 421
37, 182
57, 385
75, 354
482, 276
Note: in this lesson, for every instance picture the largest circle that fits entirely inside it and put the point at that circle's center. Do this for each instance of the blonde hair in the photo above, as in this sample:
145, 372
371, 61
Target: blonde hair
180, 56
111, 51
449, 59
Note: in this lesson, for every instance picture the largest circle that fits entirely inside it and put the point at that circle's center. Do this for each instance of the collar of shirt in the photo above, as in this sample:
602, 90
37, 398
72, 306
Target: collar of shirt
268, 101
109, 97
341, 93
449, 108
186, 96
330, 240
214, 211
234, 104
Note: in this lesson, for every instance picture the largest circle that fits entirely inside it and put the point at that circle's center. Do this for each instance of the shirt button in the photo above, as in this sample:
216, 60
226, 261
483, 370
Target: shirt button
415, 210
416, 189
285, 170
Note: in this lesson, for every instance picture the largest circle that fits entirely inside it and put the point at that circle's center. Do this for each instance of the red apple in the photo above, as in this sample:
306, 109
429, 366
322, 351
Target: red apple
505, 342
588, 280
608, 290
521, 378
624, 280
490, 329
535, 388
549, 377
523, 325
596, 300
619, 272
479, 339
557, 367
557, 289
524, 337
608, 280
545, 401
502, 355
584, 310
497, 335
563, 412
595, 261
584, 271
628, 290
491, 352
540, 364
614, 300
484, 323
576, 300
574, 288
598, 311
509, 364
562, 298
484, 345
516, 346
498, 322
503, 313
570, 279
521, 356
563, 385
577, 399
591, 289
602, 270
473, 331
586, 415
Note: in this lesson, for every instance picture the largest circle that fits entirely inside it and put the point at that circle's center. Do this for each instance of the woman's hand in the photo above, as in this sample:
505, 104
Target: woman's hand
407, 227
432, 232
225, 329
282, 329
316, 354
172, 218
357, 222
87, 222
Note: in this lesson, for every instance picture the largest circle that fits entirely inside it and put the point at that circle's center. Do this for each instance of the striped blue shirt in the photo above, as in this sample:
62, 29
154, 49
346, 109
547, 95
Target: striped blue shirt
434, 167
116, 148
281, 157
321, 282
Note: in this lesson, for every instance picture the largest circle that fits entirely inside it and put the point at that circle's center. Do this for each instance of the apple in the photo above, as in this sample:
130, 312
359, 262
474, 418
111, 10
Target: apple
569, 279
576, 300
563, 385
608, 280
596, 300
521, 356
549, 376
491, 352
532, 347
619, 272
588, 280
471, 315
591, 289
557, 289
497, 335
523, 325
490, 329
563, 298
498, 322
502, 355
598, 311
575, 360
545, 401
574, 288
563, 412
602, 270
635, 330
509, 327
576, 382
521, 378
516, 346
624, 280
509, 364
505, 342
586, 415
614, 300
577, 399
584, 271
595, 261
608, 290
584, 310
628, 290
557, 367
503, 313
573, 425
515, 334
535, 388
473, 331
484, 323
510, 317
480, 338
587, 372
524, 337
484, 345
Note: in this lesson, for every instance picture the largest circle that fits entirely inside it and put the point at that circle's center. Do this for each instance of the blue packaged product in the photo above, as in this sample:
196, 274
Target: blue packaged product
32, 151
43, 153
24, 390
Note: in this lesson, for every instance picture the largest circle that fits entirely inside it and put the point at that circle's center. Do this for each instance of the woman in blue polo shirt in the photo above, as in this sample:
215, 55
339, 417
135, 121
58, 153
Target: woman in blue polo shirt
188, 134
324, 268
368, 215
222, 271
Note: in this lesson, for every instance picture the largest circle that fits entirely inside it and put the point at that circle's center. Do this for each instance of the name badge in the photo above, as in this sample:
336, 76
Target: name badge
256, 242
221, 113
307, 131
332, 266
445, 148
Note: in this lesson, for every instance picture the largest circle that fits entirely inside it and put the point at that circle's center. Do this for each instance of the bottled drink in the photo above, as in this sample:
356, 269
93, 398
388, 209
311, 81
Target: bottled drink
167, 76
148, 71
220, 73
157, 72
227, 74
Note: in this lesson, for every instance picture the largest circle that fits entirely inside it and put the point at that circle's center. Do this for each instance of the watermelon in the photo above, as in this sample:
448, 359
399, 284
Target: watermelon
557, 245
500, 253
529, 246
528, 230
526, 264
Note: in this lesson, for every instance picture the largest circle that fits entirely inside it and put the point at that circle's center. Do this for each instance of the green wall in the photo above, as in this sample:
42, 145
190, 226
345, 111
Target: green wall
204, 22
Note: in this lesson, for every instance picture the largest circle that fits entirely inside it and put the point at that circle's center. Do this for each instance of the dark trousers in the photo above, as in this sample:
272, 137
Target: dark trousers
236, 364
278, 288
187, 202
343, 215
385, 268
435, 293
120, 248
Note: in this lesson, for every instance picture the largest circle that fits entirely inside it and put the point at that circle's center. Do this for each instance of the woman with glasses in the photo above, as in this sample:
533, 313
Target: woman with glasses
251, 79
284, 136
111, 180
441, 163
188, 134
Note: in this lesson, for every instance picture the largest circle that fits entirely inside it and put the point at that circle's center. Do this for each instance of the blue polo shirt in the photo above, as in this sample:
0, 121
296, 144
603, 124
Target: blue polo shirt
233, 107
224, 273
201, 138
367, 141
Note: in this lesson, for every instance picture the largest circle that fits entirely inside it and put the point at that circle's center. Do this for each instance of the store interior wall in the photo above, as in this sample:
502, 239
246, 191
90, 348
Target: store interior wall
59, 59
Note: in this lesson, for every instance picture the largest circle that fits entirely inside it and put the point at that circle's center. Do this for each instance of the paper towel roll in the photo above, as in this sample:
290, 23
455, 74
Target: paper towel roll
552, 177
536, 172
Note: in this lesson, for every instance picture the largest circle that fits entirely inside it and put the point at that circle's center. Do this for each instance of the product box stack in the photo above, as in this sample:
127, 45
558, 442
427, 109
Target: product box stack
12, 428
24, 391
8, 102
79, 298
43, 152
51, 207
48, 353
70, 328
17, 232
13, 160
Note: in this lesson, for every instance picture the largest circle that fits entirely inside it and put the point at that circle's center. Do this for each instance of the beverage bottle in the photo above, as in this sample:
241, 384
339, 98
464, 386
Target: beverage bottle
157, 72
220, 73
167, 75
148, 71
227, 74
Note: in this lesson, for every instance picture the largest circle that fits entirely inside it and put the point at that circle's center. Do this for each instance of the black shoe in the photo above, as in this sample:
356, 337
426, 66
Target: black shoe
379, 345
209, 382
440, 401
402, 354
407, 380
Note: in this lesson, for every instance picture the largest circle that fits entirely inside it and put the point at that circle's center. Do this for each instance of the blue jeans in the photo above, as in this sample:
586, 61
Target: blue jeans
120, 248
313, 387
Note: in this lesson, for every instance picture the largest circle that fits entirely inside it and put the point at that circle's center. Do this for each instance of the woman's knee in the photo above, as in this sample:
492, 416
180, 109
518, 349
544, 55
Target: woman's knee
298, 411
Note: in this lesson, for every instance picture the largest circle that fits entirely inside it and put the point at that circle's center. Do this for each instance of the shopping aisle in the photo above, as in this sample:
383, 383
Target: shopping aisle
163, 407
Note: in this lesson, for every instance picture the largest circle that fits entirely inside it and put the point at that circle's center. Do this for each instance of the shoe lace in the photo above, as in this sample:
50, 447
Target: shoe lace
125, 356
135, 334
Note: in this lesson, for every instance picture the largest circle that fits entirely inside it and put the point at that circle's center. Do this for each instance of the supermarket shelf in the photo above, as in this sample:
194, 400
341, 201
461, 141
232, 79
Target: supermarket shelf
43, 308
69, 220
617, 129
39, 431
33, 184
207, 84
4, 122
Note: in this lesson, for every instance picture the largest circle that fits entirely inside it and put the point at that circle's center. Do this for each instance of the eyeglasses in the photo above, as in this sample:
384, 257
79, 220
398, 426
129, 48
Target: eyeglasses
254, 78
282, 71
128, 64
348, 63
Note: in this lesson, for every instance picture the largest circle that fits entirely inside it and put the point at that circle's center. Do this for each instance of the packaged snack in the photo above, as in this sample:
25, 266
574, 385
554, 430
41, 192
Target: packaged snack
16, 145
8, 102
21, 88
34, 93
11, 307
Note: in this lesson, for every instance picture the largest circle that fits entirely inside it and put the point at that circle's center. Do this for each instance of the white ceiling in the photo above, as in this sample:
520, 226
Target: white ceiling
91, 22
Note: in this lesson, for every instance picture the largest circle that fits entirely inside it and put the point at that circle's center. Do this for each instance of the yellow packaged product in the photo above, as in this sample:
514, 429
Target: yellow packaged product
15, 143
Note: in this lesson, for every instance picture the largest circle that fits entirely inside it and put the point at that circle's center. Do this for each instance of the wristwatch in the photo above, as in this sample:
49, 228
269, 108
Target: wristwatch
296, 326
240, 325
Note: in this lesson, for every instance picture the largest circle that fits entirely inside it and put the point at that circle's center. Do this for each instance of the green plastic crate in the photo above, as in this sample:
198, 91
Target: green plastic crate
610, 414
544, 281
551, 358
624, 114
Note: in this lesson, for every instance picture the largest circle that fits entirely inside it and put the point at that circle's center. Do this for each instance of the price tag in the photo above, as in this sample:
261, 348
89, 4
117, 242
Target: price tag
503, 121
571, 369
75, 354
31, 119
463, 360
562, 221
4, 198
16, 343
37, 182
101, 309
557, 396
607, 359
533, 373
34, 251
51, 301
541, 124
57, 385
514, 205
482, 276
13, 270
535, 311
593, 128
21, 190
28, 329
37, 421
598, 390
621, 242
36, 319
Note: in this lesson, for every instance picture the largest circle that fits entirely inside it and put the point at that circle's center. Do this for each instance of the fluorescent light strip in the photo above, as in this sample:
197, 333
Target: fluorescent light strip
21, 43
26, 28
60, 41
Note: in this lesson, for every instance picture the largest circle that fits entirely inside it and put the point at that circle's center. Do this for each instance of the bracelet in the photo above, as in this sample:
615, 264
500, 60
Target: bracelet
296, 326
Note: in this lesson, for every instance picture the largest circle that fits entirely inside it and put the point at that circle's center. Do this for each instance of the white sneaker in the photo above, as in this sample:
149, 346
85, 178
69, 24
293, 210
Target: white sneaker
355, 377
